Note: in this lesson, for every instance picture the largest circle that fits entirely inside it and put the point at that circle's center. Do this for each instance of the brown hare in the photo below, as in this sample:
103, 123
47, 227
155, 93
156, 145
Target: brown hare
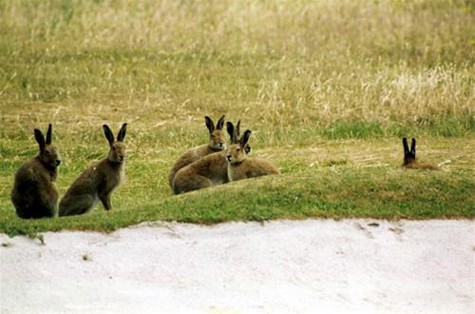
410, 160
99, 180
216, 143
208, 171
240, 166
34, 194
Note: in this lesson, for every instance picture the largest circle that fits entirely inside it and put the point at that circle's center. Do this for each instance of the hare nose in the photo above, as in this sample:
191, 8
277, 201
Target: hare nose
57, 162
228, 157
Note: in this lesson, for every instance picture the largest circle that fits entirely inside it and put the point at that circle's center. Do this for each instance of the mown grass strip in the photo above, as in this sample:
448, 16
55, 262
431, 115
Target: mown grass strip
367, 193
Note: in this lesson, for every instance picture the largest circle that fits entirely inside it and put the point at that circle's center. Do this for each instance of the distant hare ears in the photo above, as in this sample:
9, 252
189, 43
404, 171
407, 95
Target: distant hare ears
40, 139
245, 138
122, 132
49, 134
406, 147
233, 132
110, 136
108, 133
210, 124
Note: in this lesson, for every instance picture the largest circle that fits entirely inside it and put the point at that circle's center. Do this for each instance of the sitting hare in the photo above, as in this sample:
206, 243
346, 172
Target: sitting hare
216, 143
99, 180
410, 160
240, 166
34, 194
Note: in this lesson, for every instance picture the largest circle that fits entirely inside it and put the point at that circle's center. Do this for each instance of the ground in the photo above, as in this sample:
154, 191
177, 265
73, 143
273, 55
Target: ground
355, 265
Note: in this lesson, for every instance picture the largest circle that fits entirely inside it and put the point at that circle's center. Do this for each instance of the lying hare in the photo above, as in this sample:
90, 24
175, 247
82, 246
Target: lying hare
34, 194
216, 143
99, 180
410, 160
240, 166
205, 172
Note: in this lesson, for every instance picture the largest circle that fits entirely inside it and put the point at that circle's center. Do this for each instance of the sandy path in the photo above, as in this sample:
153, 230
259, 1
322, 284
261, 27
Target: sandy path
282, 266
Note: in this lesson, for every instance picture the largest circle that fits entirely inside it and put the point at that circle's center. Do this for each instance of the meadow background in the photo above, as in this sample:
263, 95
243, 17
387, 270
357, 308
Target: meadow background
328, 88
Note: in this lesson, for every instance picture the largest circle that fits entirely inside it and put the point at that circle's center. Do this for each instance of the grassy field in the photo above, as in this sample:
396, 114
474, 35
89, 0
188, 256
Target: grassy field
328, 88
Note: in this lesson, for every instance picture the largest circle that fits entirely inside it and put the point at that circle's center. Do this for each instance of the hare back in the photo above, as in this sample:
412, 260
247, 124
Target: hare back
100, 178
34, 194
212, 166
250, 168
205, 172
187, 158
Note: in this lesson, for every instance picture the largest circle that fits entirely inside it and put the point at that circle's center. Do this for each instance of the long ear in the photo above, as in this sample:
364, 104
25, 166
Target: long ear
209, 124
406, 147
245, 138
238, 127
121, 134
48, 134
220, 123
413, 147
230, 129
237, 133
108, 134
40, 139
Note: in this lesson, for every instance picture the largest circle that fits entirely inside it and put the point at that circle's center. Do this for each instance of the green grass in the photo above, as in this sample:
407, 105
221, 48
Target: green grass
328, 87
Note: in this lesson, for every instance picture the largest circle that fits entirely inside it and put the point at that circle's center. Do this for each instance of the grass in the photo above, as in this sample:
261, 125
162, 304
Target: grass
328, 87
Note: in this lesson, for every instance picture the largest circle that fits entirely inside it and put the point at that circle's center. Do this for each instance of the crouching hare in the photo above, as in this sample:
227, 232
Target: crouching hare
34, 194
207, 171
410, 161
216, 143
240, 166
99, 180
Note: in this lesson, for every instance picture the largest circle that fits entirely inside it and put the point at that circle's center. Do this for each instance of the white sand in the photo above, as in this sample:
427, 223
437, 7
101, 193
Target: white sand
280, 267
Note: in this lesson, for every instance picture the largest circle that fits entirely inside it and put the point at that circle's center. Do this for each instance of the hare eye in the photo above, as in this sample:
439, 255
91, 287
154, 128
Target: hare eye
238, 149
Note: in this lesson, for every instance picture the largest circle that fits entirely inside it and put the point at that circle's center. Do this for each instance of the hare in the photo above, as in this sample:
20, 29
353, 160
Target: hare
99, 180
208, 171
34, 194
216, 143
410, 160
240, 166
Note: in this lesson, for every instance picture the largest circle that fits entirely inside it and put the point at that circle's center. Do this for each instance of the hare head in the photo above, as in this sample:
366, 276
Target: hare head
237, 152
117, 148
49, 154
217, 137
409, 155
235, 133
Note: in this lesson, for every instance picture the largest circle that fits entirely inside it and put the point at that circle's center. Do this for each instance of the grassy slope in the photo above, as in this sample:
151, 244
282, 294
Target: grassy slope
329, 87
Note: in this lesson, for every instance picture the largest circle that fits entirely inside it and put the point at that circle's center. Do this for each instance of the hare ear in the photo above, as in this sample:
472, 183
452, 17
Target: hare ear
413, 147
238, 126
108, 134
245, 138
209, 124
230, 129
48, 134
406, 147
220, 123
40, 139
121, 134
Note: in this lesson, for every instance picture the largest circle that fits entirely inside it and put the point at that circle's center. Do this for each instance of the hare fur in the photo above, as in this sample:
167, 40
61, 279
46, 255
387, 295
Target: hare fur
207, 171
216, 143
410, 161
241, 166
99, 180
34, 194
